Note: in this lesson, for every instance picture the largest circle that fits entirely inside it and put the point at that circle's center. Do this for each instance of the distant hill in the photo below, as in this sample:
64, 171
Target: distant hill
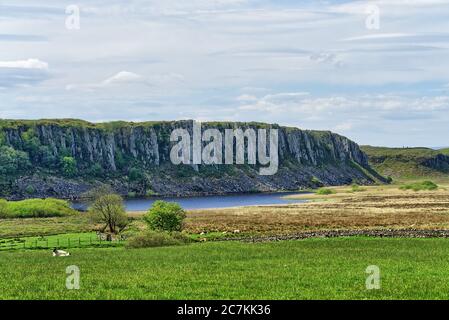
409, 163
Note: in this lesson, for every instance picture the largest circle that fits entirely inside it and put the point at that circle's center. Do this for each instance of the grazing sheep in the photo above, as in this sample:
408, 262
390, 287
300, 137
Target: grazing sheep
202, 233
60, 253
237, 231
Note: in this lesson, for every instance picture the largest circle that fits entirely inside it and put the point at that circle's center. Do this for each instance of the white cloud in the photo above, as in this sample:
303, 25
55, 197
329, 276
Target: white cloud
345, 126
220, 59
123, 77
246, 98
327, 58
127, 78
380, 36
390, 6
25, 64
381, 104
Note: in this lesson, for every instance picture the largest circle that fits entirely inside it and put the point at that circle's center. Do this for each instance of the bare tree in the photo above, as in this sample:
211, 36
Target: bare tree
109, 210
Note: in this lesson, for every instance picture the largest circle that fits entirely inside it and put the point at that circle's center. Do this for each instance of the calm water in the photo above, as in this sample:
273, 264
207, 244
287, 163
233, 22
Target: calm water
209, 202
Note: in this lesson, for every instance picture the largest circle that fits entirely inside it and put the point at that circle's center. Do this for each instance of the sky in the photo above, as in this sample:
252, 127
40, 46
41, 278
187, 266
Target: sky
374, 71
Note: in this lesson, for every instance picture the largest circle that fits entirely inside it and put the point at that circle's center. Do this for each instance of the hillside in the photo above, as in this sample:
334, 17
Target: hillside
64, 158
409, 163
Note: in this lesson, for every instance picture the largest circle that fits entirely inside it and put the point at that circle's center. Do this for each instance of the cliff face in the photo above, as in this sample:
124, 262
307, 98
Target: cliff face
135, 158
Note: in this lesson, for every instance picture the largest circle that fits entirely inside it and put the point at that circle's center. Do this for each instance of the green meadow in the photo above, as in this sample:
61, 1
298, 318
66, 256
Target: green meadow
306, 269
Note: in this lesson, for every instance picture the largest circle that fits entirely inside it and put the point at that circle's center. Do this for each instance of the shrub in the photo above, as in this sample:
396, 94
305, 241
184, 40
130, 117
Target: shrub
420, 186
12, 161
3, 209
181, 236
151, 239
135, 175
30, 189
69, 166
38, 208
165, 216
324, 191
357, 188
150, 193
96, 170
316, 182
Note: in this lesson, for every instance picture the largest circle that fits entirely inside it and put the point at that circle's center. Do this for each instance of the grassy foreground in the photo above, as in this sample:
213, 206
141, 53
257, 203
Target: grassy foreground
308, 269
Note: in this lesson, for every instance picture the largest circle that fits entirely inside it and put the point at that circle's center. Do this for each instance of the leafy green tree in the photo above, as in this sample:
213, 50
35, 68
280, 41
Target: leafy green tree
120, 160
13, 161
69, 166
46, 157
96, 170
165, 216
2, 138
30, 189
135, 175
31, 141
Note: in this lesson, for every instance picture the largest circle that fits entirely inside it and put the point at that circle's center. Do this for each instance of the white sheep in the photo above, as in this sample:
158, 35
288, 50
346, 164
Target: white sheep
60, 253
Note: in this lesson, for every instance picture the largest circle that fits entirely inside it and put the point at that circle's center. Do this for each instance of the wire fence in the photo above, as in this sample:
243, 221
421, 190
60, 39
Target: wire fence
60, 243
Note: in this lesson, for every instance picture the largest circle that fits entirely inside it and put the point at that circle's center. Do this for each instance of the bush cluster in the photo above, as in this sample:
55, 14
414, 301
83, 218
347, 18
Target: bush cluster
151, 238
165, 220
165, 216
325, 191
35, 208
420, 186
357, 188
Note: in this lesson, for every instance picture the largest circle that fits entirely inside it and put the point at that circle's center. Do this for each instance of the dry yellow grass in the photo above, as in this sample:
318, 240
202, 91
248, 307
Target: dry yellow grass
376, 208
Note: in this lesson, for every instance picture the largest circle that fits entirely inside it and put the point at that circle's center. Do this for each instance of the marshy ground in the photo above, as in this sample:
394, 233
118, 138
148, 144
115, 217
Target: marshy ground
377, 207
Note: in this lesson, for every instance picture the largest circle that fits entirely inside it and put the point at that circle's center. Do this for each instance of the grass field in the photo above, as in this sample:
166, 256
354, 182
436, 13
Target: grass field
409, 163
44, 226
308, 269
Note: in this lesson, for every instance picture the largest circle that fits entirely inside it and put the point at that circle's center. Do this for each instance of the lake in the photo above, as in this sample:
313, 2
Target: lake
209, 202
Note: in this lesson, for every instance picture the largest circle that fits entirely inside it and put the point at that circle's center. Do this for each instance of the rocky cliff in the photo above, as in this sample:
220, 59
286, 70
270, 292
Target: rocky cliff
64, 158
